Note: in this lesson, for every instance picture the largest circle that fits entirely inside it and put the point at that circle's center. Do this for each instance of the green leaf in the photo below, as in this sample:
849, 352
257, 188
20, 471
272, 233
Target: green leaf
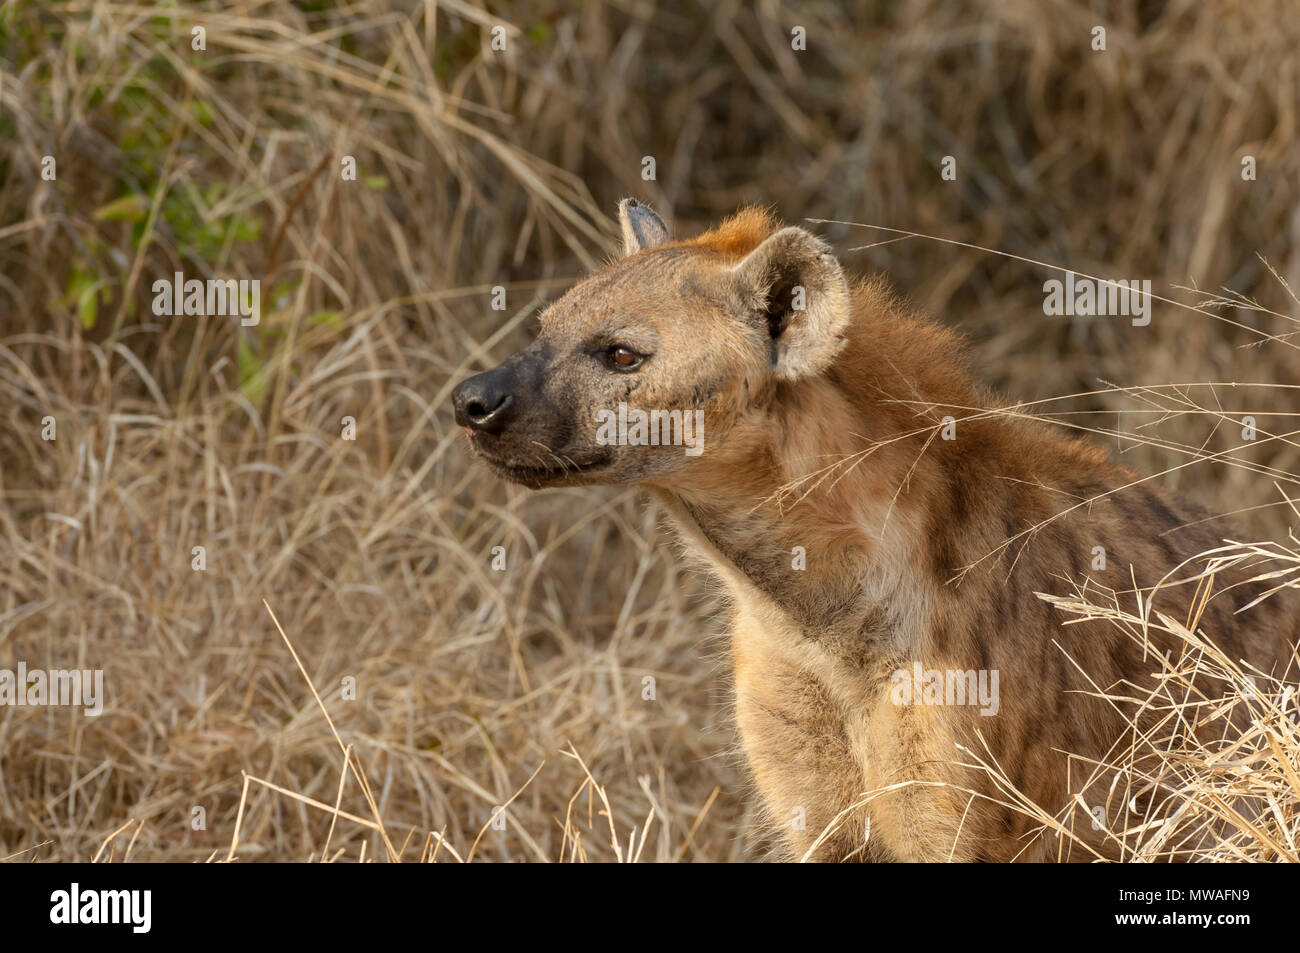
331, 318
83, 289
283, 290
252, 376
248, 229
88, 307
129, 208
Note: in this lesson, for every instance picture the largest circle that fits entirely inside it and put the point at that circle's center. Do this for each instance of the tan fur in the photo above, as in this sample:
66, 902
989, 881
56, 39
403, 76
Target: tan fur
823, 435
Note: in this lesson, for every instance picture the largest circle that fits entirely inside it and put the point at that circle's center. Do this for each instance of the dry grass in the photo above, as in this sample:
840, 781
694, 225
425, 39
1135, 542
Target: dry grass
474, 687
1221, 770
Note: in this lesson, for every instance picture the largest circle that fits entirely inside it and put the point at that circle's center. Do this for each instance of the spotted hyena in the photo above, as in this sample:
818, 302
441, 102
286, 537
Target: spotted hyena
862, 550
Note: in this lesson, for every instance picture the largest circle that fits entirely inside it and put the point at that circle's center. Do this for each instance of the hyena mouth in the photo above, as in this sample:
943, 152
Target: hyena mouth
561, 470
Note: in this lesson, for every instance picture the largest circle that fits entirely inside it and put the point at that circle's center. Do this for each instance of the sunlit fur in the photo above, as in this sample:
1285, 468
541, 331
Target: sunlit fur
918, 549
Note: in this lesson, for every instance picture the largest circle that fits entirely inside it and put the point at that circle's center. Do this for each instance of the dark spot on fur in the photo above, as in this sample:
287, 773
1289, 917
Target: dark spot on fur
982, 646
1163, 514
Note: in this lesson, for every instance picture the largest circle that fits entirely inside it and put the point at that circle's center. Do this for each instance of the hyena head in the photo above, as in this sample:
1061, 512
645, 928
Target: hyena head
655, 368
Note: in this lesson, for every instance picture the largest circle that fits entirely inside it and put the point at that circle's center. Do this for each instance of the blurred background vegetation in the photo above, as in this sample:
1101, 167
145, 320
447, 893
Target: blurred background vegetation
479, 167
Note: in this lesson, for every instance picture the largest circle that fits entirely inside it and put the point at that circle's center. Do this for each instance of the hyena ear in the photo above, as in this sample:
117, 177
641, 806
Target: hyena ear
641, 227
795, 286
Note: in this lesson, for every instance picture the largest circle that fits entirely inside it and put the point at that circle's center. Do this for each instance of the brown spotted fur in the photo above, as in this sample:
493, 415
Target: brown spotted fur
887, 533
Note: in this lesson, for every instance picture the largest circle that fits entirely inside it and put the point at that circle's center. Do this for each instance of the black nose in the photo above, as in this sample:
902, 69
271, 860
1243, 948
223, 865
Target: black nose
483, 402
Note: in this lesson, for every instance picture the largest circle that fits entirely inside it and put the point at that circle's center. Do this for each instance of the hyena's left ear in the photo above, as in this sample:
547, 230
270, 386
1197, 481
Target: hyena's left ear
641, 227
794, 284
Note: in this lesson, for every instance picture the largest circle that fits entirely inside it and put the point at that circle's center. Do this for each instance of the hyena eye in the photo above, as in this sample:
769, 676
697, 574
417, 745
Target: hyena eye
623, 358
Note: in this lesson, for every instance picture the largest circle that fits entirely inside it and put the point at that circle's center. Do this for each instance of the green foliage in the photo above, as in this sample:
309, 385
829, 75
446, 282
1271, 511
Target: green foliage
254, 373
84, 290
129, 208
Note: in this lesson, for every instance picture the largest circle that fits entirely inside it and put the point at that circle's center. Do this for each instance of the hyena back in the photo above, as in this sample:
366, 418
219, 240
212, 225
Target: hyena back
870, 517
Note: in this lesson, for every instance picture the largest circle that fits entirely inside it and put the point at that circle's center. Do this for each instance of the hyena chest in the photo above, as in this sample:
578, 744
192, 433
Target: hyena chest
843, 769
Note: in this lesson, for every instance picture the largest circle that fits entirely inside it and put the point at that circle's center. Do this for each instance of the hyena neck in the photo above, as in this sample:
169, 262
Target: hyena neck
809, 521
845, 505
